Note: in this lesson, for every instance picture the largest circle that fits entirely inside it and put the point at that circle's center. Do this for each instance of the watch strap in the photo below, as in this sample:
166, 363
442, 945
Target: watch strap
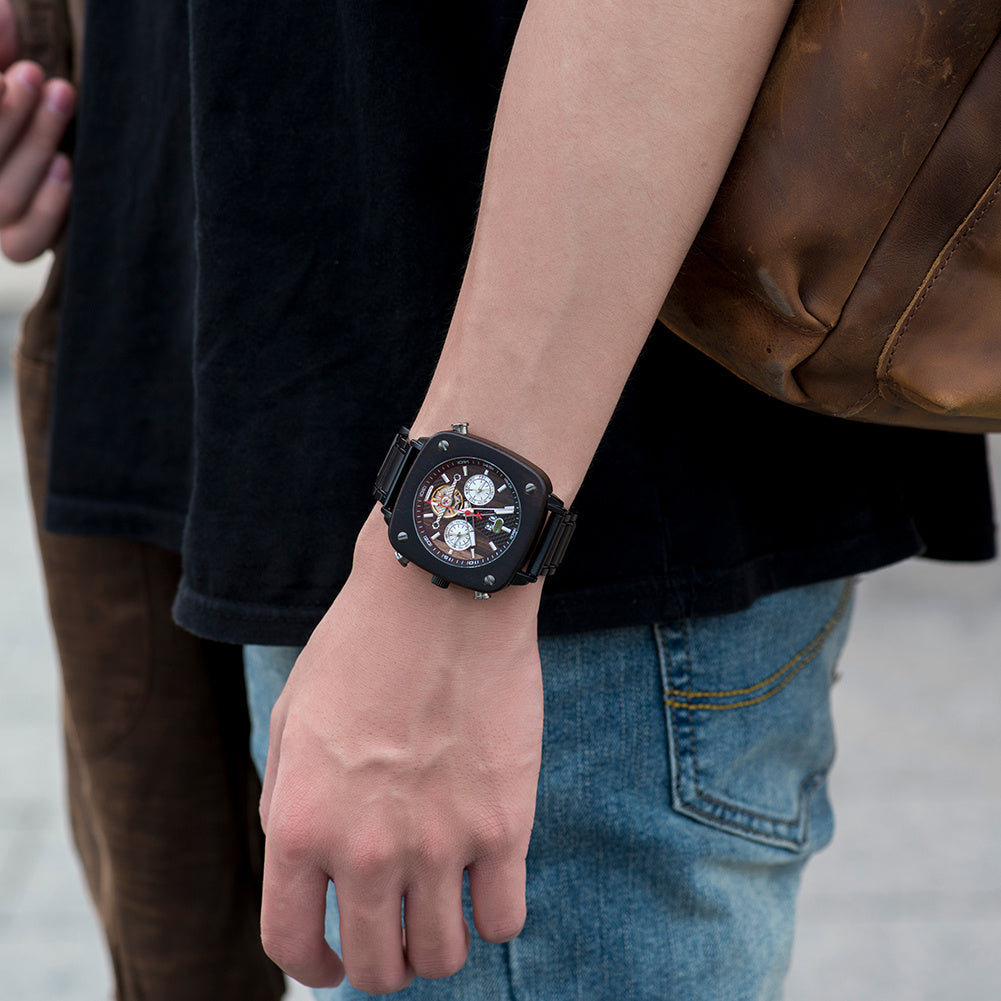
553, 541
394, 469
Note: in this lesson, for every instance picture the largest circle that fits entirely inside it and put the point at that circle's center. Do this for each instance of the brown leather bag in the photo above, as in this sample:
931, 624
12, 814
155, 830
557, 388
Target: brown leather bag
851, 262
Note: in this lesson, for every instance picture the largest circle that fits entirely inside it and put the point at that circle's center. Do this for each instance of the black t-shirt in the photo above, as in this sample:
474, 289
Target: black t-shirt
268, 233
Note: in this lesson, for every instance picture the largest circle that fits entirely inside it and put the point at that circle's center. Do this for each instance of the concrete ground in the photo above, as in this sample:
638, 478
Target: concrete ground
906, 905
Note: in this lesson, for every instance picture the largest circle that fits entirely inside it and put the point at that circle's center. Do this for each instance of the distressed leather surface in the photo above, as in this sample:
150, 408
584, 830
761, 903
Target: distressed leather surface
48, 32
851, 262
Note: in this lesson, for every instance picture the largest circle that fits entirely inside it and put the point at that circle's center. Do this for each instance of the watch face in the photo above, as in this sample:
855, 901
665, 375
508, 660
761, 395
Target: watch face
467, 512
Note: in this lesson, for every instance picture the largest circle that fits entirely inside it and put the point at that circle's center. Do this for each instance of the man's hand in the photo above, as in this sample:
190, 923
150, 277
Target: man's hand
34, 176
405, 749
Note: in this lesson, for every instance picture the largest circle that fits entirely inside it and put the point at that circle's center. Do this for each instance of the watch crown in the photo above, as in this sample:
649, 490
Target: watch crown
439, 581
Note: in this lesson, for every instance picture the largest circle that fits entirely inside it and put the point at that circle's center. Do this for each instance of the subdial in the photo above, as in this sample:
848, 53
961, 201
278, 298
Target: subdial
479, 490
459, 534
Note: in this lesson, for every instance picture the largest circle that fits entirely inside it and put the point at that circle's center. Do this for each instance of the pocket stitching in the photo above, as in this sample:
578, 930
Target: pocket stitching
799, 661
730, 808
792, 668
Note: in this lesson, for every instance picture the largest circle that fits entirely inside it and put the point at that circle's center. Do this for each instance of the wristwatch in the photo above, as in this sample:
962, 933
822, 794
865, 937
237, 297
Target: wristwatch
471, 512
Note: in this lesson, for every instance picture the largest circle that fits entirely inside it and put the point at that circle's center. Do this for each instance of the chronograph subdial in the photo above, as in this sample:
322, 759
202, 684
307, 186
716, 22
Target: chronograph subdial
459, 534
479, 490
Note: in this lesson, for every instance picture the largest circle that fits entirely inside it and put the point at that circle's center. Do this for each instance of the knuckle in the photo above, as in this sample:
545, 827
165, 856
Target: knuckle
378, 980
39, 143
369, 856
497, 834
500, 919
41, 138
59, 104
16, 246
276, 726
501, 928
292, 835
436, 852
288, 951
32, 233
439, 963
11, 207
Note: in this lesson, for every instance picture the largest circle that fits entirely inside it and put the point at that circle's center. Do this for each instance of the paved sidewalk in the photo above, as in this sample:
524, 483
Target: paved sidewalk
905, 906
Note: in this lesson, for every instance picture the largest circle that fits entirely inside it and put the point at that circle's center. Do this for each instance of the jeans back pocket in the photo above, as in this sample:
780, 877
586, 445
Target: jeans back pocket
747, 700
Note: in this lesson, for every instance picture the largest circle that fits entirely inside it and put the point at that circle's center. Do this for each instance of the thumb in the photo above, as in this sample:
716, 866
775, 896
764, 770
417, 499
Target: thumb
9, 45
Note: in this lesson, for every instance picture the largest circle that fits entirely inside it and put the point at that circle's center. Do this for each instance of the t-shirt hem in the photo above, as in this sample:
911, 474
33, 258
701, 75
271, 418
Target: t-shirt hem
615, 605
228, 621
720, 592
73, 516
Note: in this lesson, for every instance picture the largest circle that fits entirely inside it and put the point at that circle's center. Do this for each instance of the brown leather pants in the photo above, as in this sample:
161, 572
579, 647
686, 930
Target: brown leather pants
162, 793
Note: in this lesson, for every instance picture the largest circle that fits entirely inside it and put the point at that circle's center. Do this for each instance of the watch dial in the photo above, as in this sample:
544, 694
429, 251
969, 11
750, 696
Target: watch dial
467, 512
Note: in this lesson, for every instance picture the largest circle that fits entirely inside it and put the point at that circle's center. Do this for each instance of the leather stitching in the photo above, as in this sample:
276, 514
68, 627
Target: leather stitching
964, 233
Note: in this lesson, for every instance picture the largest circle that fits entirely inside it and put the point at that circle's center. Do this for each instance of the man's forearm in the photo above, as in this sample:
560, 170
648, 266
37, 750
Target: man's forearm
615, 126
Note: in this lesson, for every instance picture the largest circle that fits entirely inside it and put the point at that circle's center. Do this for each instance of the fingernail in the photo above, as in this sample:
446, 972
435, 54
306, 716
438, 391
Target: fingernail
60, 97
60, 169
28, 75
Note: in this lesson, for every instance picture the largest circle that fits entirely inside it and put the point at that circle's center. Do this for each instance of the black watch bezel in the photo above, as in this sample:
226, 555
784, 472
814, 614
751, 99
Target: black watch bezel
530, 483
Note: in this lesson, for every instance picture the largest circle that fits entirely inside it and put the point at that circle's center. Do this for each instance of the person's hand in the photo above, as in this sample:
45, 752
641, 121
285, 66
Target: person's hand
35, 178
405, 749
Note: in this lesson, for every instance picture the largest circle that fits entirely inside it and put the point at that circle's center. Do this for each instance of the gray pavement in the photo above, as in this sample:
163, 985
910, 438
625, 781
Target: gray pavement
906, 904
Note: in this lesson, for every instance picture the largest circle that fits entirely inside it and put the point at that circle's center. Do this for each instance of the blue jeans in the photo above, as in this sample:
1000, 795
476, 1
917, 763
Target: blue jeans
683, 787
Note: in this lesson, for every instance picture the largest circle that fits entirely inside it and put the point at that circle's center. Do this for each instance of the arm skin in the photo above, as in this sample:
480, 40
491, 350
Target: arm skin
406, 746
35, 178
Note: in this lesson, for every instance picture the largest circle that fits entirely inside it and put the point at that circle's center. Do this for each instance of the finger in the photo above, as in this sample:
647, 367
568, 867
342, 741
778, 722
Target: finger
372, 935
498, 895
27, 162
437, 936
8, 35
275, 734
37, 230
293, 911
20, 97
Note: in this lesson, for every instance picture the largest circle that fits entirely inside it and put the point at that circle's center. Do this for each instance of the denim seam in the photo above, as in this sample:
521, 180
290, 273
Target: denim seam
805, 789
508, 969
810, 782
